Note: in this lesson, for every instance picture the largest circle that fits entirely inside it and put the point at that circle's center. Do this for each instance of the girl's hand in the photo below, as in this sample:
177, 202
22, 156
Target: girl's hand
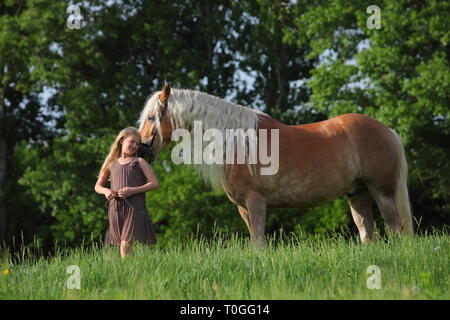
110, 194
126, 192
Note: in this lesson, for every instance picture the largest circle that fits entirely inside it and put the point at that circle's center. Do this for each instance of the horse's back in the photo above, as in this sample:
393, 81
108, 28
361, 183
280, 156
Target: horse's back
345, 120
360, 129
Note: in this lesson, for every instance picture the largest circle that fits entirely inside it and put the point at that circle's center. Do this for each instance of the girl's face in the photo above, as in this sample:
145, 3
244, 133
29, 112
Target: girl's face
130, 145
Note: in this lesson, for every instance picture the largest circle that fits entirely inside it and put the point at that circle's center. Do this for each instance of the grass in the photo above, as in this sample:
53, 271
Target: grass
307, 268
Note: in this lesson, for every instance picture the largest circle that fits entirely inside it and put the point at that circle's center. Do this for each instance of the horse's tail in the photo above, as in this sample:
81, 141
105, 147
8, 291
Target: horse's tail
402, 201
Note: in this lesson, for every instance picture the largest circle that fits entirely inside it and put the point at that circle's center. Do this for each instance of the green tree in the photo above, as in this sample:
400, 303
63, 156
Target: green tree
278, 67
26, 32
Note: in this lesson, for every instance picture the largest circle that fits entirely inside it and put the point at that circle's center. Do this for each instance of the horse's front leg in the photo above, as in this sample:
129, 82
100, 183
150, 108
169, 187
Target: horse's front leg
244, 214
256, 207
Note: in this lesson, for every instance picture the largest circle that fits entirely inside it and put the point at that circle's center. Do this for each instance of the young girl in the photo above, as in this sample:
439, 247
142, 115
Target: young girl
130, 177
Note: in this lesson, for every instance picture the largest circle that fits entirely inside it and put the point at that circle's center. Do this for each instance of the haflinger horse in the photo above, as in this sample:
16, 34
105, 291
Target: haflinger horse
350, 155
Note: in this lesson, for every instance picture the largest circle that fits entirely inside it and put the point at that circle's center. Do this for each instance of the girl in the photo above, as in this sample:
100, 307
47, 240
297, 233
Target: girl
130, 177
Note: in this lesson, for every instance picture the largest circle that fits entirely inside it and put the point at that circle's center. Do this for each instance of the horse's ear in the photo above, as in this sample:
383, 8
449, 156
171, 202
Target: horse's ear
165, 93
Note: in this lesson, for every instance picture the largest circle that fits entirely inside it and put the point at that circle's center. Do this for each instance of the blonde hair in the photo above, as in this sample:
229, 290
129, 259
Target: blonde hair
116, 147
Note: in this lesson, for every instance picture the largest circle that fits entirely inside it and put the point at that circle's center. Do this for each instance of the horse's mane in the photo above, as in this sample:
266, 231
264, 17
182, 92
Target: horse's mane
187, 106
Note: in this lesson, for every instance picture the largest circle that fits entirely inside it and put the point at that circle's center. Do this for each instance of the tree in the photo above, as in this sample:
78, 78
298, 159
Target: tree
26, 31
279, 67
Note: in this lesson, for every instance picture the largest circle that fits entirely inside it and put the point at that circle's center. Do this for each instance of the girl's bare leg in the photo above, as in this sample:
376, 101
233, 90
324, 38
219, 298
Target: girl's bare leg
126, 248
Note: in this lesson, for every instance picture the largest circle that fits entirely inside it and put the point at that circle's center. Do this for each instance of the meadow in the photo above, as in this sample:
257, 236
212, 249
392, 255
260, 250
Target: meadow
296, 267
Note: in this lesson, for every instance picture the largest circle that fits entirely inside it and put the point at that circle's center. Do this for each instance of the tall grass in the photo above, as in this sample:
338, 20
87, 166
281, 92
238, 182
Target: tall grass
301, 267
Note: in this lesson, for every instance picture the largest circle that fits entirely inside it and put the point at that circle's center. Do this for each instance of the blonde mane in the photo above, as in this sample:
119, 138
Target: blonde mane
187, 106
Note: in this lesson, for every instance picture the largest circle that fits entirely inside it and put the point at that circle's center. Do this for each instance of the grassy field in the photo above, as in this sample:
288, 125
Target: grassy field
307, 268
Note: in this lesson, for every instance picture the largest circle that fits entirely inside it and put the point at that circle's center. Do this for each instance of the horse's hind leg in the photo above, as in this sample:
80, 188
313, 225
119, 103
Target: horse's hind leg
361, 207
386, 204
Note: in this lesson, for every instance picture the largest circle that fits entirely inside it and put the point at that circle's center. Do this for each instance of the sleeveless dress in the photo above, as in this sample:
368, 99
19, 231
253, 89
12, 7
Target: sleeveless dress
128, 217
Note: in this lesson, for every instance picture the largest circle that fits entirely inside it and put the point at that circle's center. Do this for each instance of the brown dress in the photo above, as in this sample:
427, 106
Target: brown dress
128, 217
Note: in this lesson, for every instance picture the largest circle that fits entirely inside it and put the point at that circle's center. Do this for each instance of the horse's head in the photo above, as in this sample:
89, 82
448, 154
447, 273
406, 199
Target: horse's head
156, 127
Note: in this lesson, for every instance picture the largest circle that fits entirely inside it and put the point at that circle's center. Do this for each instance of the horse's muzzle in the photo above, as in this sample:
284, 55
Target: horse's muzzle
146, 151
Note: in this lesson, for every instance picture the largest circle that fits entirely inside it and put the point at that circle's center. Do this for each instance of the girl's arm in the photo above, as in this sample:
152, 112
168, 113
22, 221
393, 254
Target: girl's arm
152, 183
99, 188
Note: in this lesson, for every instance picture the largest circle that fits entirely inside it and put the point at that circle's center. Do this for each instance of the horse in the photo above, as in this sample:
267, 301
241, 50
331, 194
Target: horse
351, 155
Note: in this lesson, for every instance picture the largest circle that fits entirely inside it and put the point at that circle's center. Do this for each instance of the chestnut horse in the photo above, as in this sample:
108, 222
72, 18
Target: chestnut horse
352, 155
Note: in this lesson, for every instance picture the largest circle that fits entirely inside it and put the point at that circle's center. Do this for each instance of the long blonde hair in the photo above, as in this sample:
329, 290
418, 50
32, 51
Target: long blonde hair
116, 148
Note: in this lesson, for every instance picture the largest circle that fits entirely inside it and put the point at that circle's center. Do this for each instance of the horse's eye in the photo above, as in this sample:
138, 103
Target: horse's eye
152, 118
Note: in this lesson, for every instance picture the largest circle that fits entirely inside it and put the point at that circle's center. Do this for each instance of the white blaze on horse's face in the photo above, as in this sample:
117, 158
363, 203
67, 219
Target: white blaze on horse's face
148, 129
155, 132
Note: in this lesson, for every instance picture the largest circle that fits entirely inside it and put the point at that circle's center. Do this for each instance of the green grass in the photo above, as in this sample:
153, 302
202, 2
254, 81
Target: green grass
307, 268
